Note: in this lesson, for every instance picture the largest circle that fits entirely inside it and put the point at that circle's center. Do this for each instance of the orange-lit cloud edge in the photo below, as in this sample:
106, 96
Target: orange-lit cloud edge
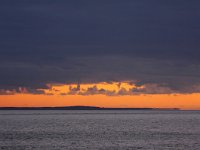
115, 94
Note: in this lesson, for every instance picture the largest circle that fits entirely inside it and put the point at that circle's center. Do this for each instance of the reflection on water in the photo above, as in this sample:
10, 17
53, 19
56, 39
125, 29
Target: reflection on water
100, 129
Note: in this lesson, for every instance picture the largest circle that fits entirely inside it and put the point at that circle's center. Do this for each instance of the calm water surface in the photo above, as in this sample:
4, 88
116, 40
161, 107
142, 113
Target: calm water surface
103, 130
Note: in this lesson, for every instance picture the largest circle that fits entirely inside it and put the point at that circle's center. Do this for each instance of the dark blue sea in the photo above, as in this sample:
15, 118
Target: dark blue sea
99, 130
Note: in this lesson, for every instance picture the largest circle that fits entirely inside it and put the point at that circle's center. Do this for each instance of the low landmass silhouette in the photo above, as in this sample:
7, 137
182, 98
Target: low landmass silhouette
80, 108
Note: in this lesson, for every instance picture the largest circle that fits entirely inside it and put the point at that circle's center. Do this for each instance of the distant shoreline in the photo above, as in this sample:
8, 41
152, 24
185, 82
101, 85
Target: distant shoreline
81, 108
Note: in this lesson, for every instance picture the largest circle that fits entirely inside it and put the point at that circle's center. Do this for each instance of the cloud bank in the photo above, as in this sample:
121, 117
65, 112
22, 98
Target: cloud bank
154, 44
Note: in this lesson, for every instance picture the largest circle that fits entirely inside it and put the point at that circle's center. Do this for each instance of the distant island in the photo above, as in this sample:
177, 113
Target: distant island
80, 108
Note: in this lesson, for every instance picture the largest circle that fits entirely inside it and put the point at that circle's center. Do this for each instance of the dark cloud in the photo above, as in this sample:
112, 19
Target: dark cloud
147, 42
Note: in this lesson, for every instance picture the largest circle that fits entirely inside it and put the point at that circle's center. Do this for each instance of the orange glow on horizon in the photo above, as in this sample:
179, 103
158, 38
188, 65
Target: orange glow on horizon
115, 94
189, 101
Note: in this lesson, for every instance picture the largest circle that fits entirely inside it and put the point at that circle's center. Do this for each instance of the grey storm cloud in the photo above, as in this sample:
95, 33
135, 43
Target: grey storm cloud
146, 42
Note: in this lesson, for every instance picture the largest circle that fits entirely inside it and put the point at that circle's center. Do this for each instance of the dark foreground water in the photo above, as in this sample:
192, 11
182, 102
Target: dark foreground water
134, 130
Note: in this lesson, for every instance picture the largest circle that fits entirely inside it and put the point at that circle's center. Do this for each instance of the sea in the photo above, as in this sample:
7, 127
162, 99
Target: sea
99, 130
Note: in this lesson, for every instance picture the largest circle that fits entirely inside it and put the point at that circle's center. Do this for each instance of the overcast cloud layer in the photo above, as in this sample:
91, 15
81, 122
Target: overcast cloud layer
143, 41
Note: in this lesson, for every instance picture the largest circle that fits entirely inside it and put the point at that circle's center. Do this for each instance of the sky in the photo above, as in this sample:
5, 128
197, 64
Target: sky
104, 53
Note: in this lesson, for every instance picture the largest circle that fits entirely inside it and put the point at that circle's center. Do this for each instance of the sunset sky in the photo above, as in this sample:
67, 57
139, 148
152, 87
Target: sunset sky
108, 53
